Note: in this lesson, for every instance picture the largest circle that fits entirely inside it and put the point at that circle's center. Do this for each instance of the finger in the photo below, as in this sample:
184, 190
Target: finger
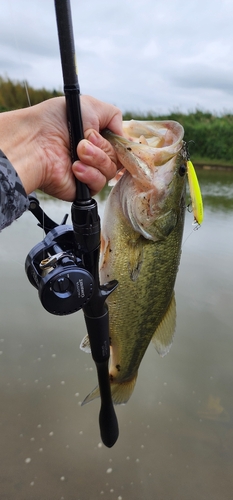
92, 177
98, 153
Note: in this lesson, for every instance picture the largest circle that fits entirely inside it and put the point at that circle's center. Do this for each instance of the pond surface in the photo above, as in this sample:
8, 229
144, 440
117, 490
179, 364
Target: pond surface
176, 432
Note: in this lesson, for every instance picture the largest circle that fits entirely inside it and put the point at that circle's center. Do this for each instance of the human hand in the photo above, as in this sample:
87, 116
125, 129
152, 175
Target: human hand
98, 161
36, 141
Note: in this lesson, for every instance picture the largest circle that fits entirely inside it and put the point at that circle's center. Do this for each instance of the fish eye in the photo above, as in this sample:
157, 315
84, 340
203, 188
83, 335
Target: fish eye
182, 170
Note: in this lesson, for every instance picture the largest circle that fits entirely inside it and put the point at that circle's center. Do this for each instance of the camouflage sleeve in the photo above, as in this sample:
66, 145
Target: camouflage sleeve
13, 198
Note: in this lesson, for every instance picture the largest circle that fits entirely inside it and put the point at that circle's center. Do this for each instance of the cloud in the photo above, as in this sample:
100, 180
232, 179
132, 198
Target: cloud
145, 55
205, 77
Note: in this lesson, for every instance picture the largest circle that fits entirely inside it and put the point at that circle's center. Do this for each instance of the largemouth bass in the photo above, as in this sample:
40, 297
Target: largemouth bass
141, 246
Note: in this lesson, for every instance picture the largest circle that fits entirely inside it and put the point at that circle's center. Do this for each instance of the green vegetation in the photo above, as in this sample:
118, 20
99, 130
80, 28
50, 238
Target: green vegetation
14, 94
211, 135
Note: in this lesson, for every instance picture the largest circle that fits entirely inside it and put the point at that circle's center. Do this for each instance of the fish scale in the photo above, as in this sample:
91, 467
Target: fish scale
137, 306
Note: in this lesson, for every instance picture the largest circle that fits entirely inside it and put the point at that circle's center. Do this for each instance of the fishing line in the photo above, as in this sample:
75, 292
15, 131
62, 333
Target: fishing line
16, 42
26, 87
191, 233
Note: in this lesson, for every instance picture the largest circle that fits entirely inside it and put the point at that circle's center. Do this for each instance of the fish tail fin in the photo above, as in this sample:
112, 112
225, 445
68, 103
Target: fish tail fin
121, 392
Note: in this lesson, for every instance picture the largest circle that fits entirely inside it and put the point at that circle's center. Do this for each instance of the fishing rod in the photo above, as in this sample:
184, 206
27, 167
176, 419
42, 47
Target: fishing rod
64, 267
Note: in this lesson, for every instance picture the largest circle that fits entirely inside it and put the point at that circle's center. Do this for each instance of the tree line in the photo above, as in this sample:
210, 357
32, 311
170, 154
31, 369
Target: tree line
210, 135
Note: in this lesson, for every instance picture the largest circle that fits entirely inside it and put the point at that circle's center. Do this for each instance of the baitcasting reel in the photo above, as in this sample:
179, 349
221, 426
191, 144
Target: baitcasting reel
53, 267
64, 286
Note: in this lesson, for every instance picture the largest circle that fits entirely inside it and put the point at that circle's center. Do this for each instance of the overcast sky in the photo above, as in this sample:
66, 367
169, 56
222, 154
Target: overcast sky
142, 55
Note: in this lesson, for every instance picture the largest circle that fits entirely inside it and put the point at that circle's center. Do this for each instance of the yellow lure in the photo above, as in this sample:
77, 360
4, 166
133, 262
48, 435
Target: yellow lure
195, 193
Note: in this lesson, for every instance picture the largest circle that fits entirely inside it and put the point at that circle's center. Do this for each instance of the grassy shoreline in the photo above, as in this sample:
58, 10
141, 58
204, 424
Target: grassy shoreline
210, 164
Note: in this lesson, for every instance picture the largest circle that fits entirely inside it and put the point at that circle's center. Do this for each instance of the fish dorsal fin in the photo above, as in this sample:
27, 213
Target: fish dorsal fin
163, 336
85, 344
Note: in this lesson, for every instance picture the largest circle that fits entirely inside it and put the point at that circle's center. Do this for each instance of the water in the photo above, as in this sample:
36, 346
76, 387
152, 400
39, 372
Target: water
176, 432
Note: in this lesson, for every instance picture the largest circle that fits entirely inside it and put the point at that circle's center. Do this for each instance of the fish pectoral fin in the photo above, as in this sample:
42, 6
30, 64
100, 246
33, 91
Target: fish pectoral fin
163, 336
85, 345
121, 392
135, 258
93, 395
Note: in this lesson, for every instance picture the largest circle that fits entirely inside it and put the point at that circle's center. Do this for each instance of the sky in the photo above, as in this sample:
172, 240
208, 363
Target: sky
143, 56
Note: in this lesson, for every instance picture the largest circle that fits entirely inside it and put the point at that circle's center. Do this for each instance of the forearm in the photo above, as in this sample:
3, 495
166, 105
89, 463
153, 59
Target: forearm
18, 130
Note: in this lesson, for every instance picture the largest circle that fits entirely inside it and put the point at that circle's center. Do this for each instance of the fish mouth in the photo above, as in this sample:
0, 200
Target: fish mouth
139, 135
151, 153
146, 147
